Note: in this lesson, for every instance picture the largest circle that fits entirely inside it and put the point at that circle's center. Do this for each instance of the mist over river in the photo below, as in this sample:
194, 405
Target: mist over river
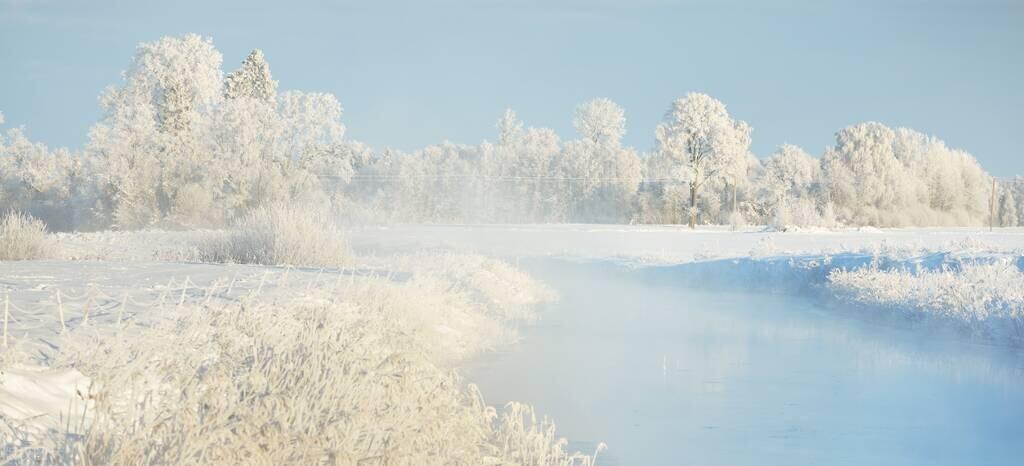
667, 375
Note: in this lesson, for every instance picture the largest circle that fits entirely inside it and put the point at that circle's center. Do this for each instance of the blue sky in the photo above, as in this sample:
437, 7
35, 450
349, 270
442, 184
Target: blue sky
415, 73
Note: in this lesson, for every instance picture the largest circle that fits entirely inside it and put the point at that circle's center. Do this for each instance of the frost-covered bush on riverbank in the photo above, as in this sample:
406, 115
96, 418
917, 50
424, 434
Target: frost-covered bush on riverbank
343, 367
987, 298
497, 285
315, 380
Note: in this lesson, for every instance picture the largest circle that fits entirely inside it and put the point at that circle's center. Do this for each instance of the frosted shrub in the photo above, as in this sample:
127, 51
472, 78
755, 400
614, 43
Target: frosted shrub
737, 220
986, 298
800, 212
314, 381
803, 213
22, 238
277, 235
502, 289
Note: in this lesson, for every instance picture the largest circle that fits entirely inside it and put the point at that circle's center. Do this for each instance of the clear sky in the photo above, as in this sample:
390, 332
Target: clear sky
415, 73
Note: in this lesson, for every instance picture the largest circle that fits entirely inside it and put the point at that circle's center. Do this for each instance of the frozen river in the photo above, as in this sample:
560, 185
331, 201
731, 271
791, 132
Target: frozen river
673, 376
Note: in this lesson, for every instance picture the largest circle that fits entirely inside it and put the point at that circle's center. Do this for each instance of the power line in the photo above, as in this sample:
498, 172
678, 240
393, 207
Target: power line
501, 178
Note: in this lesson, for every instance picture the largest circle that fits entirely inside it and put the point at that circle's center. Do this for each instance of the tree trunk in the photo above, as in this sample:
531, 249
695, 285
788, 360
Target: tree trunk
693, 205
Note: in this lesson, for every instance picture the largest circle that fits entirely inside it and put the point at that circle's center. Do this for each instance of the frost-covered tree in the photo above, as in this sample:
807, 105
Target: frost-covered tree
788, 187
55, 186
310, 120
150, 138
602, 175
252, 80
884, 177
1014, 193
600, 121
702, 141
509, 126
735, 174
864, 174
1007, 209
517, 175
789, 173
180, 145
538, 197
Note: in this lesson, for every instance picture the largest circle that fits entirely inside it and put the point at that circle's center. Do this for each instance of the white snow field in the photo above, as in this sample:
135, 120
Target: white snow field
670, 346
142, 360
673, 244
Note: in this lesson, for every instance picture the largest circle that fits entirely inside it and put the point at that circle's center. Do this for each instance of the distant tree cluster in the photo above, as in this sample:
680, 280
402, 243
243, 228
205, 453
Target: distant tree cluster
181, 144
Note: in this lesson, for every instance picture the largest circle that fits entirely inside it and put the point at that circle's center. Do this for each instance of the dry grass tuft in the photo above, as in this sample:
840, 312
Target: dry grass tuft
23, 238
277, 235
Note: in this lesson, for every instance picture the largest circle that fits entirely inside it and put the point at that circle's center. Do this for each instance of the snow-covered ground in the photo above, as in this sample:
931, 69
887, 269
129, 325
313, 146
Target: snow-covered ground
75, 330
673, 244
456, 303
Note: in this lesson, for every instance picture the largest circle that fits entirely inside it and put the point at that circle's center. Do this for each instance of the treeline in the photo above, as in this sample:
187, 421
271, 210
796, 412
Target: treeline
182, 145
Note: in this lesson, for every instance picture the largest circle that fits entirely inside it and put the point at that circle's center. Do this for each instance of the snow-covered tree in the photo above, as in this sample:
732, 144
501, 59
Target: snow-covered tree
509, 127
864, 174
1015, 188
602, 175
310, 120
538, 197
252, 80
600, 121
702, 141
1007, 209
150, 138
788, 184
789, 173
180, 145
884, 177
54, 186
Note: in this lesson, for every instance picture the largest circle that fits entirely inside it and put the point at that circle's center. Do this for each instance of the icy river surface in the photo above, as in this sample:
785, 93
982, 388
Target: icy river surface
667, 375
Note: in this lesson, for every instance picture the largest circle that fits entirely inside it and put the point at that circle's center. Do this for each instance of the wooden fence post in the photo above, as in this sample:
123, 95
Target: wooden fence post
184, 288
231, 286
7, 312
263, 280
120, 311
60, 309
88, 304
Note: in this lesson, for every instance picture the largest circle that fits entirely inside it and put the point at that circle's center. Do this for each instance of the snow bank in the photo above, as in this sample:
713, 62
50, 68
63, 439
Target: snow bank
808, 272
796, 261
501, 288
975, 291
357, 355
675, 244
988, 299
325, 378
